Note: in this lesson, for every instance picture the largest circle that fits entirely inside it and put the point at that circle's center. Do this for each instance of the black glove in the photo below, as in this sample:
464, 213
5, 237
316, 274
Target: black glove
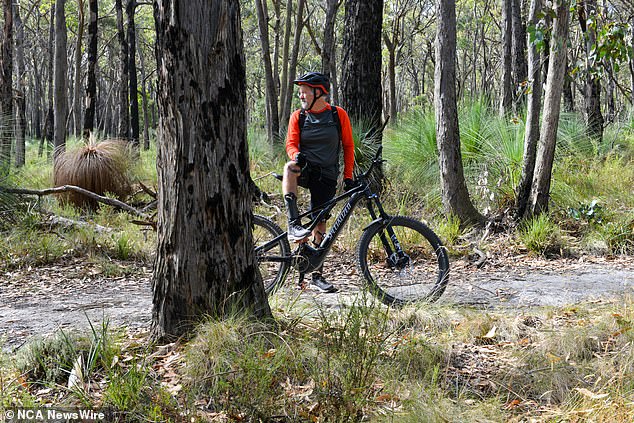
300, 159
348, 184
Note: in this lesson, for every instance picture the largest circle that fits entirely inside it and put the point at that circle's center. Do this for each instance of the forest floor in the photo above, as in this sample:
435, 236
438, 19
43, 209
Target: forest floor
72, 294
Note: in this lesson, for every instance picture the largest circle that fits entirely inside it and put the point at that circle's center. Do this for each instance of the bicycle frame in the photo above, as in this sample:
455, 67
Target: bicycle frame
306, 258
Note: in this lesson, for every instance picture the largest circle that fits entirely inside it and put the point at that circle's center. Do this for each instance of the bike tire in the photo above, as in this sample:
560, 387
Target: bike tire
271, 262
421, 276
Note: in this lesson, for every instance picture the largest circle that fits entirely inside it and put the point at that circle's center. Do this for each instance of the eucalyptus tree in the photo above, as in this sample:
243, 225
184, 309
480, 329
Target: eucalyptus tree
272, 115
506, 88
60, 100
361, 57
205, 263
531, 134
123, 112
6, 88
20, 88
91, 78
455, 195
587, 14
134, 86
540, 189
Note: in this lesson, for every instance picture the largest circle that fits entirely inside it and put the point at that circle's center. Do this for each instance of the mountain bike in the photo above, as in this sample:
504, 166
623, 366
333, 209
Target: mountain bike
400, 258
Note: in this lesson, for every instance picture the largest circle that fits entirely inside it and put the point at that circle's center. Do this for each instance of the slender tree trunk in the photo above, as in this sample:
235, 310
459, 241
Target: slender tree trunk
77, 122
20, 91
6, 89
91, 78
60, 99
123, 111
134, 90
49, 120
146, 131
631, 62
205, 263
518, 49
272, 118
38, 92
506, 89
569, 99
587, 9
531, 135
540, 190
455, 195
284, 83
292, 68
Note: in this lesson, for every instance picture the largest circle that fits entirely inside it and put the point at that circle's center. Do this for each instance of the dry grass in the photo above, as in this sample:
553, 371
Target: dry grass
101, 167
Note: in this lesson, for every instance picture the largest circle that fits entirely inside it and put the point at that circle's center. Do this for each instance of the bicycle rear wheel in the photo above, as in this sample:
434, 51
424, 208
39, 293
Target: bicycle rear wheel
272, 251
402, 261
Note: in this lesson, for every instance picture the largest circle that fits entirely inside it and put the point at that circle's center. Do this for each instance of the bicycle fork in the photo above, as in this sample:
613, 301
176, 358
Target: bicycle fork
396, 257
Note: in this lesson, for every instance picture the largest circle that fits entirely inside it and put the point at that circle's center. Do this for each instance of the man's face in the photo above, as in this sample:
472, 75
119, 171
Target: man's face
306, 96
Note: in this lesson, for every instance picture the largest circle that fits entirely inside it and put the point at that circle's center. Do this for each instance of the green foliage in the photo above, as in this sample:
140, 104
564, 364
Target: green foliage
449, 230
540, 235
592, 212
618, 235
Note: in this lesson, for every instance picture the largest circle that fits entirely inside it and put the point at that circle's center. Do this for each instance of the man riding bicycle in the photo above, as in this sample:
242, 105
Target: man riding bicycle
316, 134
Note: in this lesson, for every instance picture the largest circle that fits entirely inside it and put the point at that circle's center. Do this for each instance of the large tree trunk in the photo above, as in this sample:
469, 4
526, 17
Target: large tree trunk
531, 135
540, 190
77, 122
205, 264
91, 78
60, 99
506, 89
455, 195
6, 89
134, 91
587, 9
272, 117
20, 91
361, 74
123, 111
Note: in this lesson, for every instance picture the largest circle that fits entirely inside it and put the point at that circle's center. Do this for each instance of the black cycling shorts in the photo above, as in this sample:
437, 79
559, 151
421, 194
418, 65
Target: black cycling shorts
322, 189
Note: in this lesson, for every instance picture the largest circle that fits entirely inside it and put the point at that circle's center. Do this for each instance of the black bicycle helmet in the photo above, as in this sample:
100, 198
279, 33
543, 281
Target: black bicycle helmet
314, 80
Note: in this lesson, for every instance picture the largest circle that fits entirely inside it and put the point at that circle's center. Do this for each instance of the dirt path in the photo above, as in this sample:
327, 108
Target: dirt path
41, 300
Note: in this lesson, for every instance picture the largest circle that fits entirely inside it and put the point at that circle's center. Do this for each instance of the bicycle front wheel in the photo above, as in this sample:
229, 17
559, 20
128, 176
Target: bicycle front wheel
402, 261
272, 251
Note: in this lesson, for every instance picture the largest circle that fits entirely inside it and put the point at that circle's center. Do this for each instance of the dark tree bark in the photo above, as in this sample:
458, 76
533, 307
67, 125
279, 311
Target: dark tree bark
91, 78
205, 263
20, 91
587, 9
569, 98
518, 50
361, 57
60, 95
134, 90
506, 89
49, 122
272, 117
77, 109
540, 190
455, 195
531, 135
6, 88
123, 111
328, 56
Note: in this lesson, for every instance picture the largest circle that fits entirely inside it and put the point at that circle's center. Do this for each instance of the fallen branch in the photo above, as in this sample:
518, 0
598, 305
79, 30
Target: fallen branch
65, 188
